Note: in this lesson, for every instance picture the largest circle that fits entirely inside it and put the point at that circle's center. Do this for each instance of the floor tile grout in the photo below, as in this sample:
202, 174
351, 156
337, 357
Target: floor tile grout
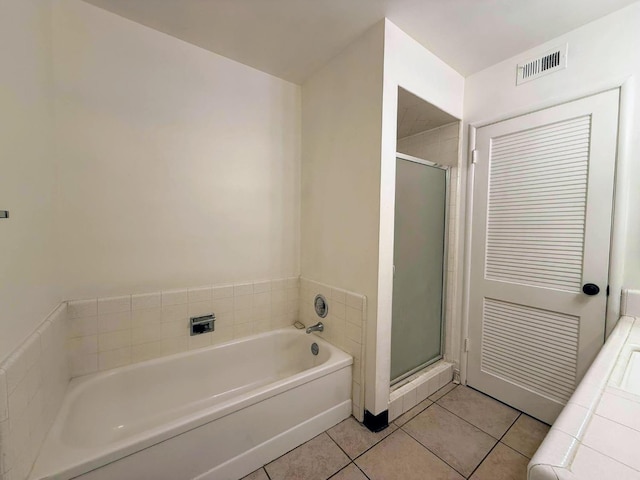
434, 453
396, 427
499, 440
493, 448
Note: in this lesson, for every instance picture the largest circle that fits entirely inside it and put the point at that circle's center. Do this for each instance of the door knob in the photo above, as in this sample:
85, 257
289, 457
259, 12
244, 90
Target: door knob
590, 289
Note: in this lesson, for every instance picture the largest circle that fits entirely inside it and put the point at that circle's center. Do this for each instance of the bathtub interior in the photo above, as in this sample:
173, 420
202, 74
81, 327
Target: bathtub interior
123, 410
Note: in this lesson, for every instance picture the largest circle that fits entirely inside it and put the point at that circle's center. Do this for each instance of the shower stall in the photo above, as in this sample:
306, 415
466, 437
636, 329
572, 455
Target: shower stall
420, 252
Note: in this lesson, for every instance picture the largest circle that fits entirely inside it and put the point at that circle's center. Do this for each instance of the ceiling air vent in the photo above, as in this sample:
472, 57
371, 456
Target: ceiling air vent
549, 62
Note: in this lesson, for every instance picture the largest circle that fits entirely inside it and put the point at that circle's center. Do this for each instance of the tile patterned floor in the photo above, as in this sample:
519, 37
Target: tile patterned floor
457, 433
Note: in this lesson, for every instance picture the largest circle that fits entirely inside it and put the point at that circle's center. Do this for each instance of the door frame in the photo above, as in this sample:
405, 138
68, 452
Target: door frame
620, 203
445, 254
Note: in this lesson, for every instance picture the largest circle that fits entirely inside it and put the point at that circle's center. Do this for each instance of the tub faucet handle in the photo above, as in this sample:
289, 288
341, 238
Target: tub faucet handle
318, 327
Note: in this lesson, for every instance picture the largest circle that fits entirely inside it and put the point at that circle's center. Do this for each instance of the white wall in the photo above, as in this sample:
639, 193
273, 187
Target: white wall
178, 167
27, 170
602, 55
341, 132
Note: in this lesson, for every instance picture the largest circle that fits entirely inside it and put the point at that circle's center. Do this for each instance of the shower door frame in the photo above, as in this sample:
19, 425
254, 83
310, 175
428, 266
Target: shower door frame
445, 263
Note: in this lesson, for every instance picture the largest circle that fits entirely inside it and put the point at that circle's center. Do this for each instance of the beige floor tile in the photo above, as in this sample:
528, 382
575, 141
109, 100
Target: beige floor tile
503, 463
442, 392
526, 435
259, 474
455, 441
317, 459
401, 457
354, 438
484, 412
350, 472
406, 416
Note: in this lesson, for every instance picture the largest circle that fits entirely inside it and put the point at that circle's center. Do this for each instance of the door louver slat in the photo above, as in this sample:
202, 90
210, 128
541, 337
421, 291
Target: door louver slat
514, 337
551, 208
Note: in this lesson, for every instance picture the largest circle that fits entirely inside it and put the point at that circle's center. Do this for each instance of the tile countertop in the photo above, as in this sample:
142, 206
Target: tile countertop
597, 435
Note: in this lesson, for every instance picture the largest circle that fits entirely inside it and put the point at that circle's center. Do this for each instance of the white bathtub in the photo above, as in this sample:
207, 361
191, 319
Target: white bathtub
216, 413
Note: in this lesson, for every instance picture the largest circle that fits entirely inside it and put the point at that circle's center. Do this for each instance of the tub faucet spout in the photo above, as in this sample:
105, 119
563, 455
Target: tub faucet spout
318, 327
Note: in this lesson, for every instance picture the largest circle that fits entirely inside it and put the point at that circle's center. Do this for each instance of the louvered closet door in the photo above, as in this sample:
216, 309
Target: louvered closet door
542, 207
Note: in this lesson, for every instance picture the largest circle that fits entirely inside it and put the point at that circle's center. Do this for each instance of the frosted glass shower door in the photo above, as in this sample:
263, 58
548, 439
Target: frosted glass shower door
419, 253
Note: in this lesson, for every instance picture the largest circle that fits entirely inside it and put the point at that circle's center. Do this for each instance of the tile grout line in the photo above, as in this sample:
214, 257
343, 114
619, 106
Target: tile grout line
498, 442
428, 449
266, 473
435, 454
341, 449
464, 420
456, 415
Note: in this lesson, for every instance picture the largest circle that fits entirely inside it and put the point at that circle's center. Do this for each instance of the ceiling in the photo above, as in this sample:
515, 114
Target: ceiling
292, 38
415, 115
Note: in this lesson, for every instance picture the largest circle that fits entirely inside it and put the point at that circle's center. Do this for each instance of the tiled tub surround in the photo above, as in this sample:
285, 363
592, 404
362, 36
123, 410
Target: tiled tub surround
106, 333
180, 417
598, 432
33, 381
344, 327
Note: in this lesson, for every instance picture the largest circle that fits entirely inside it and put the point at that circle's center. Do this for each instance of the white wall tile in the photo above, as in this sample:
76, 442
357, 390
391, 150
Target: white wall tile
114, 358
242, 330
243, 289
197, 309
222, 305
260, 287
174, 297
173, 313
114, 321
147, 317
146, 351
395, 408
353, 332
83, 308
338, 295
589, 463
631, 304
223, 291
146, 300
83, 345
612, 439
174, 329
278, 296
262, 300
114, 304
242, 316
83, 326
4, 397
241, 302
222, 334
114, 340
354, 301
15, 368
170, 346
200, 294
409, 400
224, 319
141, 335
200, 341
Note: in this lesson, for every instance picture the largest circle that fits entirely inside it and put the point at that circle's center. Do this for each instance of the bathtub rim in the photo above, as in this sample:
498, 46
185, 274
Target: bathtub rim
95, 457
